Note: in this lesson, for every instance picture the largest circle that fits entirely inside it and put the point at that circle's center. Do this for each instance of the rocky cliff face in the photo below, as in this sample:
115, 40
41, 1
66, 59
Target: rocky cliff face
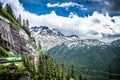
12, 38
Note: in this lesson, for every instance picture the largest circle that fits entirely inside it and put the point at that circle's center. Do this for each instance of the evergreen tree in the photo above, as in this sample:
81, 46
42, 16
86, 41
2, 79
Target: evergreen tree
9, 9
27, 23
0, 5
68, 75
26, 26
26, 62
58, 72
39, 45
80, 77
19, 19
63, 70
24, 23
40, 67
72, 73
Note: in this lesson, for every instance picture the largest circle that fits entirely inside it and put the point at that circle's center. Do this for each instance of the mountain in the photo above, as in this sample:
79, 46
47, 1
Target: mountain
91, 56
49, 37
115, 45
73, 36
45, 31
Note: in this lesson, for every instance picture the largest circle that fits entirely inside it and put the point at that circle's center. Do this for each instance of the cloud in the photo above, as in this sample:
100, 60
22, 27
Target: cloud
66, 4
115, 5
86, 27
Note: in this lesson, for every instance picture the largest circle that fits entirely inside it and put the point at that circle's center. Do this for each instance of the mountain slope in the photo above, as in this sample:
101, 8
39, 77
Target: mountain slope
49, 38
115, 45
90, 56
88, 52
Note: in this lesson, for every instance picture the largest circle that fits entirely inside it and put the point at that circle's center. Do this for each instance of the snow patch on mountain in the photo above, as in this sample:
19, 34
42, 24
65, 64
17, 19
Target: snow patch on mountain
50, 38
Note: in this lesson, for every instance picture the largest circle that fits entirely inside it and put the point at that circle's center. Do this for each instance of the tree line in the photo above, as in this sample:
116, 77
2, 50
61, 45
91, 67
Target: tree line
49, 69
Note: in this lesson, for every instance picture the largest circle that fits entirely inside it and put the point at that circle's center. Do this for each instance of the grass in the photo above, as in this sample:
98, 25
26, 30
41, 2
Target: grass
3, 52
6, 15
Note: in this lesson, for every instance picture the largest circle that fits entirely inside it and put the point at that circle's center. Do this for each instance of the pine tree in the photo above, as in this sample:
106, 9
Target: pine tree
80, 77
48, 69
26, 62
27, 23
68, 75
72, 73
19, 19
63, 70
40, 67
9, 9
0, 5
24, 24
39, 45
58, 72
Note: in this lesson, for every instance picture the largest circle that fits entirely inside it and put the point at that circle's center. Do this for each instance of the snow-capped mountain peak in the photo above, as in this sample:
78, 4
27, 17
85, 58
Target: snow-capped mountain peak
45, 31
50, 38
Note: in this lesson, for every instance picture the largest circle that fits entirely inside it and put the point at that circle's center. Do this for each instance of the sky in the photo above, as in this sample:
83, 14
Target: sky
85, 18
64, 7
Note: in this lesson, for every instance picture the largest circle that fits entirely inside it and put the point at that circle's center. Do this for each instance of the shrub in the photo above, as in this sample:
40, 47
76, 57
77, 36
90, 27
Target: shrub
6, 15
3, 52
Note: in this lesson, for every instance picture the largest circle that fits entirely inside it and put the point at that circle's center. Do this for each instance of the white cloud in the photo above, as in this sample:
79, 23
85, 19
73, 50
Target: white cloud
66, 4
107, 3
88, 27
53, 5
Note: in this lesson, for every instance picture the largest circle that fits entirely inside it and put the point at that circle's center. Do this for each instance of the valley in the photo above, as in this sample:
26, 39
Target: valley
91, 57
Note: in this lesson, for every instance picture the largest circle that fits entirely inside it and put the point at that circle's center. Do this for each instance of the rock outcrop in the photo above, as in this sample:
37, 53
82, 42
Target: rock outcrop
12, 38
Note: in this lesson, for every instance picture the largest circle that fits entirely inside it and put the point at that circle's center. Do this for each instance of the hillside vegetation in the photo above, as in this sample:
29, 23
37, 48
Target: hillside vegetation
46, 68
